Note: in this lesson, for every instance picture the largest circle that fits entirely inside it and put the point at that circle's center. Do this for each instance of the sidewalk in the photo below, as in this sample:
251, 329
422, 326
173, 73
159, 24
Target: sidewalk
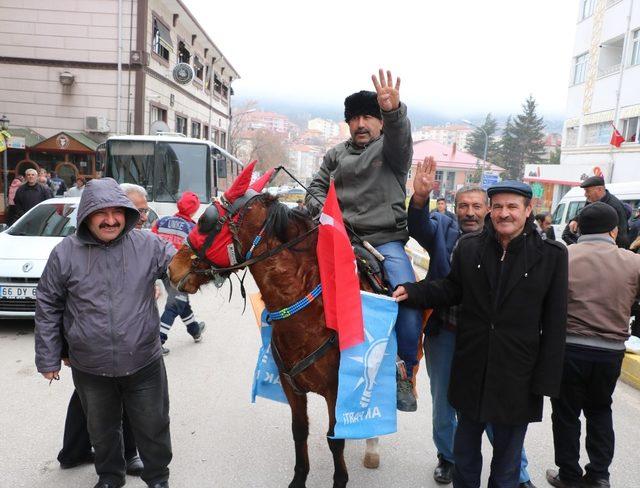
630, 366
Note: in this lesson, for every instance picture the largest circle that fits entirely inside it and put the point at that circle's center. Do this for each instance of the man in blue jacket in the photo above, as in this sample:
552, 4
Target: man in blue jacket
439, 234
97, 292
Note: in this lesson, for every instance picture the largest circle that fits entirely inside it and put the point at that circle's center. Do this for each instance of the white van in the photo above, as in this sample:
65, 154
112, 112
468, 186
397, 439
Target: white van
574, 200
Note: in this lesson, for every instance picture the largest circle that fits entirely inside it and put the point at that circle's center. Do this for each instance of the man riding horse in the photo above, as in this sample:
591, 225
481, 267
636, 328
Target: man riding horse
370, 174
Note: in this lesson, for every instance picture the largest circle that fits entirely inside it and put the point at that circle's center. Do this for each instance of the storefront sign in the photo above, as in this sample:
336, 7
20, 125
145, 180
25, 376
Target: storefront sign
16, 142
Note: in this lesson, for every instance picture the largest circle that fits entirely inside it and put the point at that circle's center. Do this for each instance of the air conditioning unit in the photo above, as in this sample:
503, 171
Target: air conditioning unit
96, 124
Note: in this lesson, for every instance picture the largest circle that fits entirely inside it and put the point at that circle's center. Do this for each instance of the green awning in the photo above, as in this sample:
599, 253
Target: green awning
31, 137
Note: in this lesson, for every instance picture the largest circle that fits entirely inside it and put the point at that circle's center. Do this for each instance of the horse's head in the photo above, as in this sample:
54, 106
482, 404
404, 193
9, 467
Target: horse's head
214, 243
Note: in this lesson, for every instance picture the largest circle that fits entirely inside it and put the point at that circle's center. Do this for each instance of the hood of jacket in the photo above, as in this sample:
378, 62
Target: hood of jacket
100, 194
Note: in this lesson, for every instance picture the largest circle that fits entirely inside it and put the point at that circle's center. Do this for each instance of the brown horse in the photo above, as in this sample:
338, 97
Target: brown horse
285, 268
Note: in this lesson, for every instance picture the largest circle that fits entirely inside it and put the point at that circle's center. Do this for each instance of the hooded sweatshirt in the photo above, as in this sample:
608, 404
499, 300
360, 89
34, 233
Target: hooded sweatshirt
101, 295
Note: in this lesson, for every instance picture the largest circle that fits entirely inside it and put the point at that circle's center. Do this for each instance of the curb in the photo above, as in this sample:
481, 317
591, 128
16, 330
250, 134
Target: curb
631, 370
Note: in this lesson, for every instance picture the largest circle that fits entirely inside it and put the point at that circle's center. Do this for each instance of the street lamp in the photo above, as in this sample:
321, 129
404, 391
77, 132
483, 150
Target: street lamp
4, 125
486, 144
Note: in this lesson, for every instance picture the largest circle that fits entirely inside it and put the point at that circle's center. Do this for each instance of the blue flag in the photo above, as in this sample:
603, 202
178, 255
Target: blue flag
366, 405
266, 380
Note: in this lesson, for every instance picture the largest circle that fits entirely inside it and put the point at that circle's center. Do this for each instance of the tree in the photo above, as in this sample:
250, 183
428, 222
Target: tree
239, 125
268, 148
554, 157
476, 140
522, 141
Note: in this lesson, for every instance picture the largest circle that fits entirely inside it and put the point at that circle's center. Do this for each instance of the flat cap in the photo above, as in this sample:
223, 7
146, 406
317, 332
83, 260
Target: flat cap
592, 181
597, 218
510, 186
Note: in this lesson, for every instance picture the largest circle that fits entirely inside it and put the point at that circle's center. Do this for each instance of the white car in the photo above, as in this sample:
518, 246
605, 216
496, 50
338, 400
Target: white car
25, 249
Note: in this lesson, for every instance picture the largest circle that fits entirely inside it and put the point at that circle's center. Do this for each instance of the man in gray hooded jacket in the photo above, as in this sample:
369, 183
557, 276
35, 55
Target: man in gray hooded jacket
97, 291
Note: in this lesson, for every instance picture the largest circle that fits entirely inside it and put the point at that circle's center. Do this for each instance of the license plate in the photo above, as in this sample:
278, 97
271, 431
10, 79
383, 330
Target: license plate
18, 292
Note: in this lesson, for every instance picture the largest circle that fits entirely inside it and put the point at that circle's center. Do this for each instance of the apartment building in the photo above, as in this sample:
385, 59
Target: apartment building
444, 134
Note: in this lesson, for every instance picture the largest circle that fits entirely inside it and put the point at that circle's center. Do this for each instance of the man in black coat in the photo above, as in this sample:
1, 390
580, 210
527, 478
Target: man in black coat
30, 194
512, 288
595, 191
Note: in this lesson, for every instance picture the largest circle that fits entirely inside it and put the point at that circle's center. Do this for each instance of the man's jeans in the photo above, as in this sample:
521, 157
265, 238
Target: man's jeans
145, 395
507, 450
398, 270
438, 354
588, 381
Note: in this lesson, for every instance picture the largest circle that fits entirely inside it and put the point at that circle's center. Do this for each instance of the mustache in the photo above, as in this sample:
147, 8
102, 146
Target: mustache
107, 226
362, 131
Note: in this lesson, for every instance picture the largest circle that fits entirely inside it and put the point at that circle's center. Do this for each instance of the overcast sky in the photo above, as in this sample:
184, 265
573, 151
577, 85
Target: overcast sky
457, 58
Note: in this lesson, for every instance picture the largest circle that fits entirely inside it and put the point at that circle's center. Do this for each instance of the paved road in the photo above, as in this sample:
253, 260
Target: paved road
220, 439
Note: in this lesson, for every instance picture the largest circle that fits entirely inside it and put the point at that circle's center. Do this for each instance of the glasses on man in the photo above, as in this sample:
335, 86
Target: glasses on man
144, 211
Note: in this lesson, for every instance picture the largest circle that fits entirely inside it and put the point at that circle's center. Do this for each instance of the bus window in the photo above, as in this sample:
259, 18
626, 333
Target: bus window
224, 179
131, 162
180, 167
574, 208
558, 214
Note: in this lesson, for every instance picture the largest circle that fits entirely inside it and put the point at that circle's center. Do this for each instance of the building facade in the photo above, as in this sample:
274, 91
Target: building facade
78, 71
444, 134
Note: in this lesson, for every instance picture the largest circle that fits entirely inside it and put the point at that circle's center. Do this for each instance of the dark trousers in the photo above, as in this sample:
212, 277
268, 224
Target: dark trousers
145, 396
507, 450
588, 380
76, 445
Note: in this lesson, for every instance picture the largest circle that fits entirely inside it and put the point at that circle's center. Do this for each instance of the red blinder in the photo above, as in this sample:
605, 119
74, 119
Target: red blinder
221, 252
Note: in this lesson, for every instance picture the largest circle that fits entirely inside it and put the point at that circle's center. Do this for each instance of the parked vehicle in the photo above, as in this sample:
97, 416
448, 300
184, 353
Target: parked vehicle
574, 200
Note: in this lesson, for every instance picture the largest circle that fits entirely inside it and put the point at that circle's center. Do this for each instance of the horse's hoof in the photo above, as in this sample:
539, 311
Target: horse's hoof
371, 460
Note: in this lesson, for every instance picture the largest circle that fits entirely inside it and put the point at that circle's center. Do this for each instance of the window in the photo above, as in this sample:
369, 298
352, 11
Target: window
198, 69
630, 129
180, 167
184, 56
635, 49
157, 113
181, 125
597, 134
223, 140
579, 68
587, 8
205, 132
49, 220
571, 139
217, 84
225, 91
574, 208
557, 215
195, 130
161, 39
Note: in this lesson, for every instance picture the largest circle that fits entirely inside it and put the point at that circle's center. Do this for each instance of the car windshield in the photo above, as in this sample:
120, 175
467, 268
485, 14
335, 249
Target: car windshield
180, 167
47, 220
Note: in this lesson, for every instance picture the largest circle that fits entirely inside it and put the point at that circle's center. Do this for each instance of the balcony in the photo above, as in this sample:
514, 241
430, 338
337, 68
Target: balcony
609, 70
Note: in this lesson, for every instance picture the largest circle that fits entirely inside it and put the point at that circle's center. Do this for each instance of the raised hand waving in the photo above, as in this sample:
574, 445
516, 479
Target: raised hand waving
388, 94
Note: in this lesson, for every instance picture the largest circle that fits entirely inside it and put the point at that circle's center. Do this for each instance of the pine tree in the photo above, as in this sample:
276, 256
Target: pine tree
522, 141
476, 140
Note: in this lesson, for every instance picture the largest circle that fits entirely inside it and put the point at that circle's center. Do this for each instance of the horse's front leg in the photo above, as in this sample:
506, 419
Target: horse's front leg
300, 429
371, 454
340, 475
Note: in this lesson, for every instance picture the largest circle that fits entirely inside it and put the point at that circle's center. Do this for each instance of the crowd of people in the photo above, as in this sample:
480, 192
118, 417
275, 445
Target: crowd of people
516, 315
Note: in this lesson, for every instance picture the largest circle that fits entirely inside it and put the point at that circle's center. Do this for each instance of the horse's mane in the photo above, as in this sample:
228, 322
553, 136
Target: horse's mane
279, 216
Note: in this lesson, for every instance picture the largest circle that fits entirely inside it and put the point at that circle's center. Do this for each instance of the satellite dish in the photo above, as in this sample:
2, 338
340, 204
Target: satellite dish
183, 73
158, 126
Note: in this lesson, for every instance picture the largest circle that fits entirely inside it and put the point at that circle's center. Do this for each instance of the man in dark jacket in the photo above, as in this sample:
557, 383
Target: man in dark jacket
595, 191
30, 194
370, 173
439, 235
597, 328
512, 286
98, 289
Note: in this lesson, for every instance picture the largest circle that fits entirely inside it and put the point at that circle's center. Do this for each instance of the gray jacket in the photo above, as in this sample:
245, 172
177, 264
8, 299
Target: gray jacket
370, 182
101, 296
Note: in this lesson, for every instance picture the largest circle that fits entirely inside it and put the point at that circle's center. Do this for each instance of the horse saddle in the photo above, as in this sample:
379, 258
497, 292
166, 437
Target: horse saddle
372, 269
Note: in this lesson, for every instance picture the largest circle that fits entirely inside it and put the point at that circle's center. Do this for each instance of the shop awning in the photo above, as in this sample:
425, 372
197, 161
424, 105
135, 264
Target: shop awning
73, 142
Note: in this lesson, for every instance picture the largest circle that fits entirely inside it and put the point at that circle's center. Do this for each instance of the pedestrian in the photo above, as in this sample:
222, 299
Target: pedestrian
595, 191
603, 285
370, 174
175, 230
77, 189
634, 225
138, 196
11, 197
96, 292
439, 235
58, 185
543, 225
512, 286
30, 193
441, 207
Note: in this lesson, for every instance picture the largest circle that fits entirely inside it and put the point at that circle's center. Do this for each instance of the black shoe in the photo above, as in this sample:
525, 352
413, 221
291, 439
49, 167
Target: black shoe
108, 484
526, 484
553, 478
197, 335
444, 471
590, 481
134, 466
406, 400
165, 350
160, 484
88, 460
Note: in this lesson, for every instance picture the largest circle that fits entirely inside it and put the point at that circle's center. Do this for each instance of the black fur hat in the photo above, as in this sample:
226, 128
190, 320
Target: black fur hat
361, 103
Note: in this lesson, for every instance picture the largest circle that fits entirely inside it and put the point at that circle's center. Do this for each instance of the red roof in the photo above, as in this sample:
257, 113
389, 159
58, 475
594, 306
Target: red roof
443, 156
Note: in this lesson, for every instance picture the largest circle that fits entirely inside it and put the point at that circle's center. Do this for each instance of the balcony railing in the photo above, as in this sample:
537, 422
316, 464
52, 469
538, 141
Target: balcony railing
612, 2
609, 70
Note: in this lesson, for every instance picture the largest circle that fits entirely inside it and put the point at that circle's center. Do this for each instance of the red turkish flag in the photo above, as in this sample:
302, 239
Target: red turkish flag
338, 275
616, 137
